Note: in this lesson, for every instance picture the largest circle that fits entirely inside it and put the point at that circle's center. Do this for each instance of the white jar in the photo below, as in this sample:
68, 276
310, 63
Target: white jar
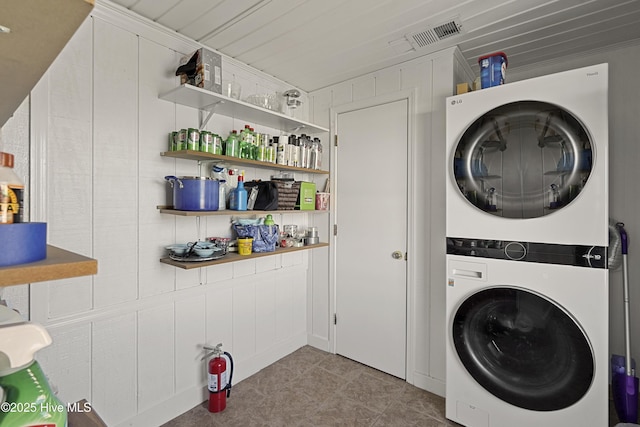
11, 191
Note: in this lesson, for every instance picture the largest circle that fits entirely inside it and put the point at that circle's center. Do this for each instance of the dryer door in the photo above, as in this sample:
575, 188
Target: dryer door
523, 160
523, 348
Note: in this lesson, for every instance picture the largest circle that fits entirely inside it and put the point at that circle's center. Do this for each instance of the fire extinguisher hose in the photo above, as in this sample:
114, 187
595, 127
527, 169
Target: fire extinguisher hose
230, 374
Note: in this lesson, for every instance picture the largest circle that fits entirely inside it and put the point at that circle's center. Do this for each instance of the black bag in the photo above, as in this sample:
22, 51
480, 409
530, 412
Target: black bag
267, 198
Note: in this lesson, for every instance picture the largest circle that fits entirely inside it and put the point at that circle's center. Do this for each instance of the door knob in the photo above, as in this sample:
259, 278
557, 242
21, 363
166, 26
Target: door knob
396, 255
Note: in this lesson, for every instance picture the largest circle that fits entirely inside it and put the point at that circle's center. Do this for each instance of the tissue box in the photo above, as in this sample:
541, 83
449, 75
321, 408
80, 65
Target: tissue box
202, 68
307, 198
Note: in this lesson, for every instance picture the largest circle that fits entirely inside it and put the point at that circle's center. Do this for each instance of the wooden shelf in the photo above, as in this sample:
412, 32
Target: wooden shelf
207, 157
234, 257
170, 211
192, 96
59, 264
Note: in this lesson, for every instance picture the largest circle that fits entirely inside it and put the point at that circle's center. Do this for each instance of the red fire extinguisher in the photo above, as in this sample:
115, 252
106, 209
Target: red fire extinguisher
220, 376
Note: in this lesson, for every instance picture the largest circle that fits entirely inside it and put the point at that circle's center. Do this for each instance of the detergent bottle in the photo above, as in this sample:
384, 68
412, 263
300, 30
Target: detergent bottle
25, 396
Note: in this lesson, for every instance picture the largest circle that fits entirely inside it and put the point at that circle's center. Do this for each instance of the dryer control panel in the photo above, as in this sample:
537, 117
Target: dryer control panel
546, 253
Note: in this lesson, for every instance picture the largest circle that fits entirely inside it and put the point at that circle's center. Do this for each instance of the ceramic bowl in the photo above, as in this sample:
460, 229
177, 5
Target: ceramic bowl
204, 251
179, 249
205, 245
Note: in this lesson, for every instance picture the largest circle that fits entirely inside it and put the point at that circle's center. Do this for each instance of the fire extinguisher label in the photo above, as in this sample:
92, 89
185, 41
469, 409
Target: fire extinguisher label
213, 383
214, 386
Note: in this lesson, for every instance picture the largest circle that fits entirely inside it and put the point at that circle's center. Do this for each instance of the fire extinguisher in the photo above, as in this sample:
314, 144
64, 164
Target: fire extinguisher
220, 377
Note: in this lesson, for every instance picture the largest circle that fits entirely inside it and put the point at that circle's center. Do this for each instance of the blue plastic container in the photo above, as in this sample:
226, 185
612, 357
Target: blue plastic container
493, 68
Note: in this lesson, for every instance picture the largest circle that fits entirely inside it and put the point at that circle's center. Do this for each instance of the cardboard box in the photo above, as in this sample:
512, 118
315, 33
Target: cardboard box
307, 199
202, 68
462, 88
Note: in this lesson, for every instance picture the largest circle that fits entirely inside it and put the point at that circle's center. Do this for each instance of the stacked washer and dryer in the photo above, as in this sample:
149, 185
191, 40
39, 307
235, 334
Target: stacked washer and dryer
527, 236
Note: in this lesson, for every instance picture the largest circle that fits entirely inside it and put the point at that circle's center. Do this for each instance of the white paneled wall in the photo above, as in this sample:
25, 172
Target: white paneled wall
130, 339
434, 78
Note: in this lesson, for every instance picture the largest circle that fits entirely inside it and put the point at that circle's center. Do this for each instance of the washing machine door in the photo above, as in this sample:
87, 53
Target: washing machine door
523, 348
523, 160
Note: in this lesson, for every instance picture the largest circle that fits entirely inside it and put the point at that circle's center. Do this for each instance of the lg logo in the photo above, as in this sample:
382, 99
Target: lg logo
456, 101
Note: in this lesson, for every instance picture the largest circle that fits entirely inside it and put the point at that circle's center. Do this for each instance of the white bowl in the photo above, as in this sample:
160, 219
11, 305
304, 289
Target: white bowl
178, 249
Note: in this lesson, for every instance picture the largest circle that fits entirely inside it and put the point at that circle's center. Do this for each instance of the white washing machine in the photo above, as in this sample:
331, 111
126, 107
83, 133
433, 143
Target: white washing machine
528, 160
527, 341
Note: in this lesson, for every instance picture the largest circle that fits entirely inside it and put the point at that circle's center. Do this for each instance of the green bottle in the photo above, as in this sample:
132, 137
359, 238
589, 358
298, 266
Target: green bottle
27, 399
232, 145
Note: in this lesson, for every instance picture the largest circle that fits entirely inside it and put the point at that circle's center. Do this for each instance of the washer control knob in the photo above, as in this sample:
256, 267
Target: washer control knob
515, 251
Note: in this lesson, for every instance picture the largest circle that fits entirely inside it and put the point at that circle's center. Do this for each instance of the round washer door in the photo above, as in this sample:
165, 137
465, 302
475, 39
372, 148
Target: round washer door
523, 160
523, 349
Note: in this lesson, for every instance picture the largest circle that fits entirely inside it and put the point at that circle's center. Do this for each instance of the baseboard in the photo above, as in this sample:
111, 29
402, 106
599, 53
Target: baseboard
318, 342
184, 401
430, 384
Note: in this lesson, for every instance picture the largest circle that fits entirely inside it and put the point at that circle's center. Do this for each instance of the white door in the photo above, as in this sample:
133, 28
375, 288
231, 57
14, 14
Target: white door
371, 240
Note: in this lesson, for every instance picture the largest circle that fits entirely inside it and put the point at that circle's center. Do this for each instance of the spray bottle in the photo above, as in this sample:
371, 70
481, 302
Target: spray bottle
25, 396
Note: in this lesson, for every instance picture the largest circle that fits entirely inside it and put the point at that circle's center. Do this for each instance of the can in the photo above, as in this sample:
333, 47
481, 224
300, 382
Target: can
206, 142
182, 140
216, 144
173, 141
245, 245
193, 139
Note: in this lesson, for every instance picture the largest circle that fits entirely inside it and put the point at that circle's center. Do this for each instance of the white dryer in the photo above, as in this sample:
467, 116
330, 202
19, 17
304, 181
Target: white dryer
528, 160
527, 341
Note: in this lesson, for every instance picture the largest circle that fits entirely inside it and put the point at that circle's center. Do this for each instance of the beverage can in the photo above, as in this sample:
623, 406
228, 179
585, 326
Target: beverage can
193, 139
206, 142
182, 140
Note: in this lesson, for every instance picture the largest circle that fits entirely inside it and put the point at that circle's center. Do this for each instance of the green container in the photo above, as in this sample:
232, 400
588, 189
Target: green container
29, 400
307, 198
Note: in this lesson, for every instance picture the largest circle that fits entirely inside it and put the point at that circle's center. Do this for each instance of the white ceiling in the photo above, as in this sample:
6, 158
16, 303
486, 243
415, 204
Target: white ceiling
316, 43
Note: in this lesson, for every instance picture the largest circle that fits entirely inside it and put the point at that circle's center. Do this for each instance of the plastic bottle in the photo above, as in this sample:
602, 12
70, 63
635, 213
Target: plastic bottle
292, 155
232, 146
269, 220
282, 149
238, 196
222, 195
303, 151
271, 151
11, 191
317, 161
22, 382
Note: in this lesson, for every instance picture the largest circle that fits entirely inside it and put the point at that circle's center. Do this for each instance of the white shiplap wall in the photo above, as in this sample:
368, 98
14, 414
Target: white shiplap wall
434, 78
130, 338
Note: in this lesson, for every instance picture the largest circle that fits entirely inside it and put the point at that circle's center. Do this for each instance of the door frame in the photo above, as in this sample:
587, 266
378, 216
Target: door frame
410, 95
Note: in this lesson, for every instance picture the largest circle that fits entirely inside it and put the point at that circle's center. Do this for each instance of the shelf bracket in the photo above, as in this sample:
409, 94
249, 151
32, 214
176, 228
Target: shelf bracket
296, 129
211, 110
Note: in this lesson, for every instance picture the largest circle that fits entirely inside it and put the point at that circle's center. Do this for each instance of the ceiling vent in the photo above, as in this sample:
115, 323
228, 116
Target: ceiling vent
434, 34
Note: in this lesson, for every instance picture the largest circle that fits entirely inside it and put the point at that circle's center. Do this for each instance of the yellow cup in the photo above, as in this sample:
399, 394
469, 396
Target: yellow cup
245, 245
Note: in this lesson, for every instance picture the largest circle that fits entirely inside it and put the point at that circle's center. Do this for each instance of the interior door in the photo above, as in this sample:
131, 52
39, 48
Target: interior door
371, 240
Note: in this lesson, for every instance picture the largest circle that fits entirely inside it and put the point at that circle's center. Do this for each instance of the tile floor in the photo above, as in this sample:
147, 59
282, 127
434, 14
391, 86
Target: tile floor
313, 388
